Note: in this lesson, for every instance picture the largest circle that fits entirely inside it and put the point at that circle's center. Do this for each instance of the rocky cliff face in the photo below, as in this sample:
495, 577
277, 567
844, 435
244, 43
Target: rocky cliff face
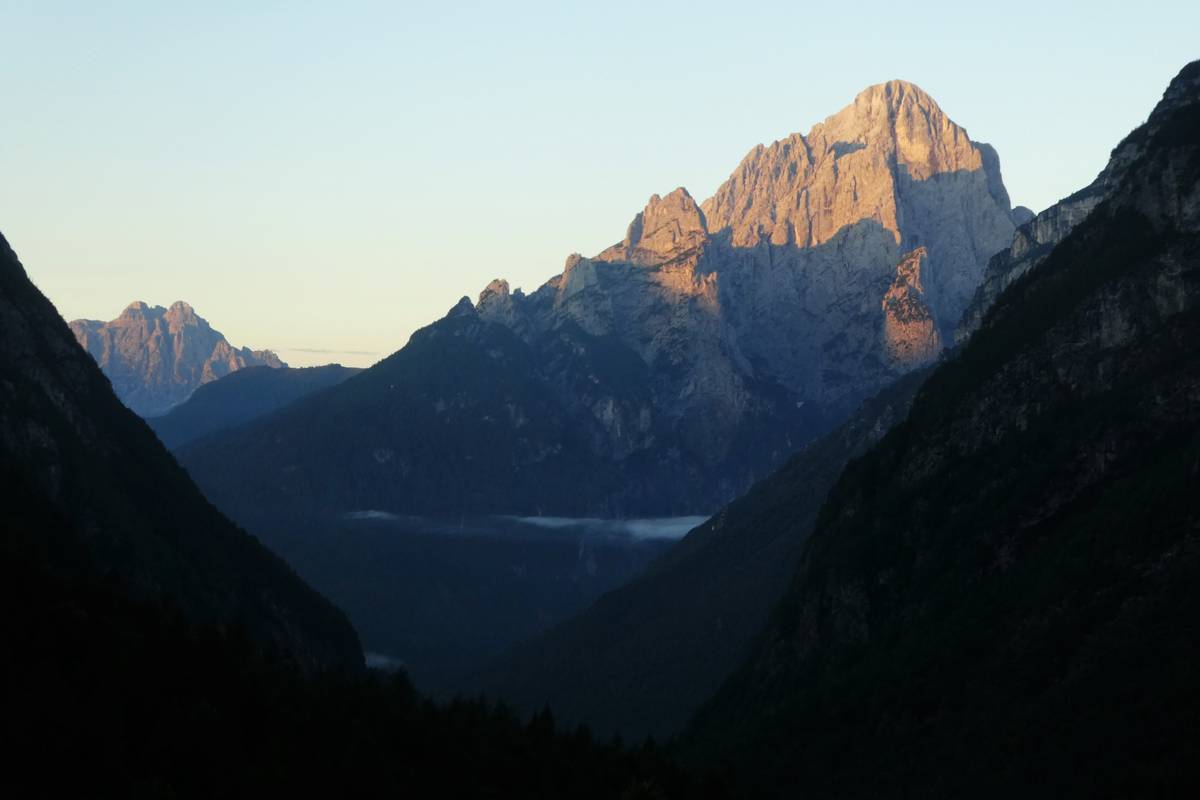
799, 275
895, 168
909, 329
156, 357
689, 359
1005, 586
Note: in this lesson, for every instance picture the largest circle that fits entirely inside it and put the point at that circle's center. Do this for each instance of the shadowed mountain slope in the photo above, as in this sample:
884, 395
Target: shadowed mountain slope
643, 658
89, 491
241, 397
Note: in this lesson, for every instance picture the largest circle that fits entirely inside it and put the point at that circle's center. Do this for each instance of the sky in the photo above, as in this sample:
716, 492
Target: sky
324, 178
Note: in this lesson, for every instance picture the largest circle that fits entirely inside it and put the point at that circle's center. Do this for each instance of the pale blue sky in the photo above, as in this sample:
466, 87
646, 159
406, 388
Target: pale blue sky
330, 176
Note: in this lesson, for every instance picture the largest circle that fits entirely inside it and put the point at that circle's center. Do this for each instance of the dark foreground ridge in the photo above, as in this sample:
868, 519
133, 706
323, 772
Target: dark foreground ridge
127, 700
89, 491
153, 649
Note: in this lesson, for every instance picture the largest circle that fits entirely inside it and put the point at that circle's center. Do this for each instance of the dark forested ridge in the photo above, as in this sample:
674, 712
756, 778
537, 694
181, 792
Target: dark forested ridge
240, 397
999, 599
129, 700
456, 422
445, 597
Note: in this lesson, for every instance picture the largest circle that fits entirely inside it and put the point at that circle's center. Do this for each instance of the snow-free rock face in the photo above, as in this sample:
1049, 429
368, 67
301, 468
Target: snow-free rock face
908, 326
155, 357
677, 367
779, 296
890, 164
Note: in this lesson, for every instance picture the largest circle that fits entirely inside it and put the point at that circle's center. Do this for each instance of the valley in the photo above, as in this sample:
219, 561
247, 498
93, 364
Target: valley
852, 479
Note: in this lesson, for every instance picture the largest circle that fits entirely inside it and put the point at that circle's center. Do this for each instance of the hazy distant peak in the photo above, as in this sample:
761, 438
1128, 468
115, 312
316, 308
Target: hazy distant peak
498, 287
463, 307
155, 357
136, 308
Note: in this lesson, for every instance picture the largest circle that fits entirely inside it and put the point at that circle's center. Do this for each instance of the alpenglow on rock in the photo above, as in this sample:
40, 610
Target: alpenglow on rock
155, 357
668, 373
823, 268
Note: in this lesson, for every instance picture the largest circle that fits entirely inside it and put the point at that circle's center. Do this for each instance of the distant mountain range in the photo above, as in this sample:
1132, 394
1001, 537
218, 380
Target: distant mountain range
155, 357
670, 372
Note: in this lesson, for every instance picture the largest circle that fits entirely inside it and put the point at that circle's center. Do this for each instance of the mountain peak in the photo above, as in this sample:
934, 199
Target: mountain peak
463, 307
668, 226
155, 357
135, 309
180, 314
889, 166
496, 301
895, 93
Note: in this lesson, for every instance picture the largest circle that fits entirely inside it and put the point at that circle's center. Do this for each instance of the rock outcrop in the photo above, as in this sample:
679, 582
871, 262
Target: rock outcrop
908, 325
156, 357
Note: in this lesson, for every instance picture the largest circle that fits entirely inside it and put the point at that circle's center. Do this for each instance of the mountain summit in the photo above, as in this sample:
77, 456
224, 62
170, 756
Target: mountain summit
681, 364
156, 357
890, 159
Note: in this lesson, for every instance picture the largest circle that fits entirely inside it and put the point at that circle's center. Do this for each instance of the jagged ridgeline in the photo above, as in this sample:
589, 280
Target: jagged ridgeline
671, 371
999, 599
156, 357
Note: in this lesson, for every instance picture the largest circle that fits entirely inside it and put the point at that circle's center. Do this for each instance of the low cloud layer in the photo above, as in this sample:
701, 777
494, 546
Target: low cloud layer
651, 528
